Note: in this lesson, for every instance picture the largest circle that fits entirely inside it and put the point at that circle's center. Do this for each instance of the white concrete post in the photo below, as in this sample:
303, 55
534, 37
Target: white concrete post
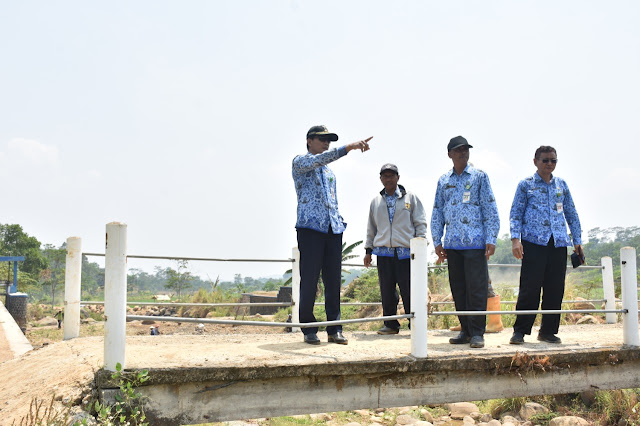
115, 295
72, 274
295, 288
419, 297
628, 273
608, 289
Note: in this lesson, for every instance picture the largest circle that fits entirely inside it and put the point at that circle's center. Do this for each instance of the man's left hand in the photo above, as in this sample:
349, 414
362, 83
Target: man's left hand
489, 251
578, 249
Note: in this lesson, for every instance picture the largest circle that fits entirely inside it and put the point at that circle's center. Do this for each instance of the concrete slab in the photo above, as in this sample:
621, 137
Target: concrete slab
240, 350
196, 379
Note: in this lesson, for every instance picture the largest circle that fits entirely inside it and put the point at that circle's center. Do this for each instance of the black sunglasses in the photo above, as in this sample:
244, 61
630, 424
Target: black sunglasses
546, 160
324, 139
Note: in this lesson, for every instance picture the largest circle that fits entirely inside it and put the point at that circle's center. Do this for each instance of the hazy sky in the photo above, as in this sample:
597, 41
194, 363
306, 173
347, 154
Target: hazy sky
181, 118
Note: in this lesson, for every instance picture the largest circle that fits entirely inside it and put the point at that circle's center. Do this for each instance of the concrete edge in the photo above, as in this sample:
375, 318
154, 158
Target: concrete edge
496, 364
18, 342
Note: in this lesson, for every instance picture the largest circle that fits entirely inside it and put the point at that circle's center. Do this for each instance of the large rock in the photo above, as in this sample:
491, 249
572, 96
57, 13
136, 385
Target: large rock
588, 319
405, 419
426, 415
568, 421
47, 321
530, 409
583, 304
461, 409
485, 418
509, 419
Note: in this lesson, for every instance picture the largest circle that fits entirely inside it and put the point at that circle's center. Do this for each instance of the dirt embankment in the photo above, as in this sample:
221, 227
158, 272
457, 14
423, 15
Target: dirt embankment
66, 368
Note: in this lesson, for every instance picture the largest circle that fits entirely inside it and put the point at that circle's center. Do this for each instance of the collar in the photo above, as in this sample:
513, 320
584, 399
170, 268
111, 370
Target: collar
466, 170
400, 191
538, 178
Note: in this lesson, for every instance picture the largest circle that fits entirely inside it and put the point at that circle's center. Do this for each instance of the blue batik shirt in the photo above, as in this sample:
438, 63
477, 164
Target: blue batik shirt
403, 252
316, 191
541, 210
465, 205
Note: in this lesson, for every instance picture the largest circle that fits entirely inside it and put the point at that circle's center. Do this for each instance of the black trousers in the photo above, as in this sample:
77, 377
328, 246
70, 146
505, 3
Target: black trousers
469, 280
392, 271
543, 268
320, 253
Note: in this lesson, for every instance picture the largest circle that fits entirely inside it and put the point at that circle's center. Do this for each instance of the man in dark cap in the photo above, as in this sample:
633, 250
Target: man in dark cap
319, 227
395, 217
465, 205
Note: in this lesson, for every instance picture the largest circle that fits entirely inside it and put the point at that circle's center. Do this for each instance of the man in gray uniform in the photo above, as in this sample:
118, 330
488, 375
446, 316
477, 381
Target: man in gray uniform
395, 217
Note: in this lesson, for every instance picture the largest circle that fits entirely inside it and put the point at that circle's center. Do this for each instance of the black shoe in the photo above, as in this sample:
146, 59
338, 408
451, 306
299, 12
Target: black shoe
477, 342
460, 339
311, 339
549, 338
388, 330
338, 338
517, 338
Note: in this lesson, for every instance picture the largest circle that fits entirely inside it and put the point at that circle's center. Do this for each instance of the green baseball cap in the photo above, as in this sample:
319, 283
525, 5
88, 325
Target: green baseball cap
321, 131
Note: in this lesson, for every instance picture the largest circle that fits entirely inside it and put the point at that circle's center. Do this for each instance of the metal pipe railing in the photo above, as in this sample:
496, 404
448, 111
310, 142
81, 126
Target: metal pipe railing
269, 323
116, 289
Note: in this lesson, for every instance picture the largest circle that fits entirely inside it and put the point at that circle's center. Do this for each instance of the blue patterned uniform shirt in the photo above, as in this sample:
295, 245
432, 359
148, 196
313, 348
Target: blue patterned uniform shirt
466, 206
542, 209
316, 191
403, 252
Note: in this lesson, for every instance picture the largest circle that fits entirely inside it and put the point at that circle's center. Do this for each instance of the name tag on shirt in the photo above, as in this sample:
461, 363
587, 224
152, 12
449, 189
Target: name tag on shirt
466, 196
559, 207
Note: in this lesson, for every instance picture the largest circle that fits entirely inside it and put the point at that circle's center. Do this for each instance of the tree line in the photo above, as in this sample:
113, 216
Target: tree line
42, 273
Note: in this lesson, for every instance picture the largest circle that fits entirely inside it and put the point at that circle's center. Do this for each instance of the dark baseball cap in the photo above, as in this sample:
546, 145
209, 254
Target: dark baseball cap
321, 131
457, 142
390, 167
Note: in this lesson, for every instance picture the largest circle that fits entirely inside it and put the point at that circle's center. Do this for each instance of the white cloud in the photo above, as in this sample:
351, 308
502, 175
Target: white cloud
32, 152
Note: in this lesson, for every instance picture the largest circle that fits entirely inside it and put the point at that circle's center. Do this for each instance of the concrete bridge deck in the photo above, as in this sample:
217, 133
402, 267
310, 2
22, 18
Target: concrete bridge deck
196, 379
204, 378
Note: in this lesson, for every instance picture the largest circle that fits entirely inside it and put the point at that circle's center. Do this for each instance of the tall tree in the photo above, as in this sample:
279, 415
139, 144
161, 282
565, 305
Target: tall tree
15, 242
180, 278
54, 275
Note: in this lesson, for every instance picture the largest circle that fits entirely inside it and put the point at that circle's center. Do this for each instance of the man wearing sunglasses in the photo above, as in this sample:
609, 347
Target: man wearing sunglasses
465, 205
319, 227
541, 210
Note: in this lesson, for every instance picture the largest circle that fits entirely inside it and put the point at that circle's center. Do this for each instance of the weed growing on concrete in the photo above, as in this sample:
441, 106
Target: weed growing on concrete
128, 406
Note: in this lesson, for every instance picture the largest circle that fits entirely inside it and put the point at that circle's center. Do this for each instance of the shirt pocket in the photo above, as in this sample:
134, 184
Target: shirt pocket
535, 197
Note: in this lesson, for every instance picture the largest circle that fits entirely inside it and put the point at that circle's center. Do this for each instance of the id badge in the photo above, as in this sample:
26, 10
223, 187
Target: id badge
559, 207
466, 196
